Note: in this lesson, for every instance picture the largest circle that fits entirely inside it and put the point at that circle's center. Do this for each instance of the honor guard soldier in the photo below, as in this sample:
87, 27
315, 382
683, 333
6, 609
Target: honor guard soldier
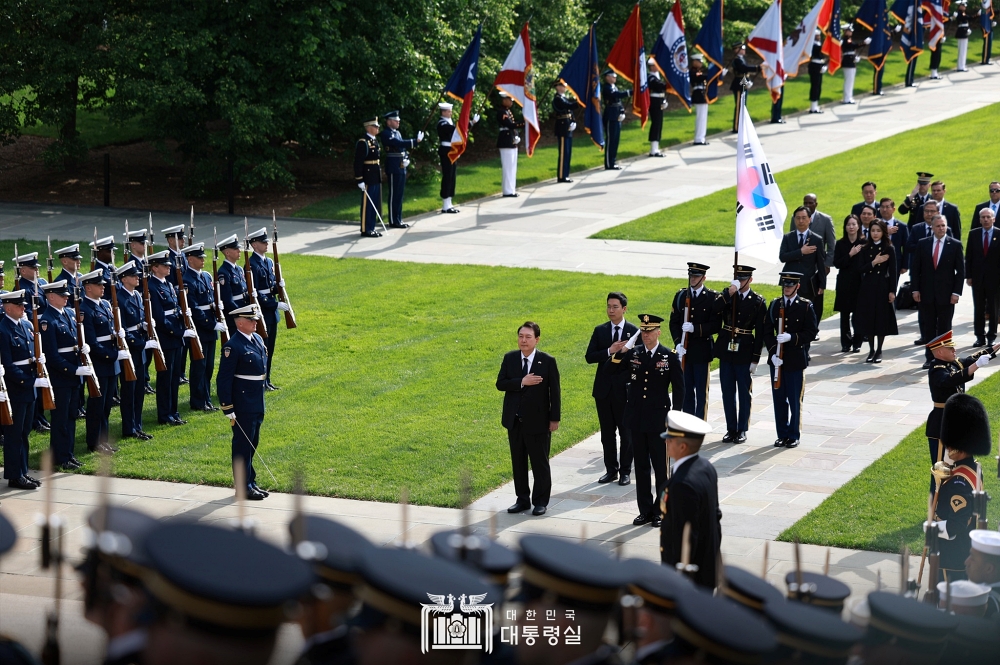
170, 330
742, 313
446, 132
99, 333
699, 85
946, 377
57, 325
137, 249
749, 590
219, 595
113, 593
133, 321
740, 68
904, 630
712, 629
30, 281
104, 260
818, 590
657, 105
17, 355
983, 566
507, 142
368, 176
962, 32
691, 497
562, 111
70, 258
232, 280
266, 284
817, 67
335, 552
175, 243
614, 115
660, 588
201, 300
791, 323
693, 322
965, 433
479, 553
811, 635
397, 159
654, 372
240, 386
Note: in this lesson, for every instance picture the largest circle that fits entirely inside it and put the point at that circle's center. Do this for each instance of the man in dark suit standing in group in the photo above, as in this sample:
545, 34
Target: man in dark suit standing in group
529, 380
610, 389
822, 224
922, 230
936, 281
802, 252
982, 273
946, 208
690, 497
993, 203
899, 233
654, 372
868, 192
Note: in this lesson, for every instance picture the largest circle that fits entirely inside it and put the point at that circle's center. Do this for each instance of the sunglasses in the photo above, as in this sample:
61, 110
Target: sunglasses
995, 191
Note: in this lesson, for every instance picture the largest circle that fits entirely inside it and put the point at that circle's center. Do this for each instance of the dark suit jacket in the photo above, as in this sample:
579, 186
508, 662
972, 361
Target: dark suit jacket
860, 205
537, 405
917, 233
791, 255
899, 240
974, 224
983, 269
949, 276
950, 212
692, 496
597, 353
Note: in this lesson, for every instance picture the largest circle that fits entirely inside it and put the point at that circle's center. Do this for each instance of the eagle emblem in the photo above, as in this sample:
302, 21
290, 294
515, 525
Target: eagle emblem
645, 318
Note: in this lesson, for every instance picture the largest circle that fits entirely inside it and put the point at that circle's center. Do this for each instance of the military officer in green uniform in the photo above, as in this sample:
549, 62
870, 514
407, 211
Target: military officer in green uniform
368, 176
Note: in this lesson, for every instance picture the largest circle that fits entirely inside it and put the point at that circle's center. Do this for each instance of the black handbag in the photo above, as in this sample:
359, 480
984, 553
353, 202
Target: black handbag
904, 299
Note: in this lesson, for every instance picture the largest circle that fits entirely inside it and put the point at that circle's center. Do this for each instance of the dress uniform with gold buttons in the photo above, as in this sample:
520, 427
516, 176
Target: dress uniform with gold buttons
799, 328
654, 372
657, 104
562, 108
368, 176
702, 324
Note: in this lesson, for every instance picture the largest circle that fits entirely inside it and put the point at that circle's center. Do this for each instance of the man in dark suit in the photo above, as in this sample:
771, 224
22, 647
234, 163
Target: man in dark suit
802, 251
936, 282
993, 204
610, 389
913, 203
822, 224
690, 497
654, 371
922, 230
982, 273
946, 208
529, 380
868, 192
899, 233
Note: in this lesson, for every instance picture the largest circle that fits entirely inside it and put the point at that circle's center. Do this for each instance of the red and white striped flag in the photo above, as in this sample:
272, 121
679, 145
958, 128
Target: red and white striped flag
517, 79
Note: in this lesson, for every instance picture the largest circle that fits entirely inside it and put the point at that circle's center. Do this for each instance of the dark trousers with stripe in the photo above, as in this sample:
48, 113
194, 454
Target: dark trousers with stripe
934, 319
201, 373
736, 110
525, 447
62, 436
246, 438
370, 198
15, 439
937, 454
133, 394
650, 451
99, 410
565, 154
911, 71
737, 388
167, 385
271, 319
447, 174
612, 134
397, 185
655, 118
788, 403
696, 388
877, 81
815, 85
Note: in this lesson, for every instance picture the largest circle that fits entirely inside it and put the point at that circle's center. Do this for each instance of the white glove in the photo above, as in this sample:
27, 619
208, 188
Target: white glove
725, 70
121, 333
868, 40
220, 327
663, 106
621, 117
361, 186
420, 136
749, 84
475, 118
776, 361
982, 361
281, 283
231, 416
42, 383
572, 126
899, 28
406, 163
943, 39
753, 368
84, 370
687, 327
85, 349
124, 355
631, 340
735, 283
942, 527
41, 359
3, 371
189, 333
187, 312
822, 70
152, 344
681, 351
283, 307
3, 397
783, 337
517, 139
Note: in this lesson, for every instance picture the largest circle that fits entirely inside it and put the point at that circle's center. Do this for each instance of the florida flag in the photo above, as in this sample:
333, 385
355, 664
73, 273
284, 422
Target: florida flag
462, 86
671, 55
628, 60
760, 210
766, 40
517, 79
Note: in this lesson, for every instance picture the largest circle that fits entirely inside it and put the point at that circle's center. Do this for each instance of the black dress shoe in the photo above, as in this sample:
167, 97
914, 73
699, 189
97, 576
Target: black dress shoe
115, 400
855, 349
642, 519
81, 413
779, 443
730, 437
143, 436
181, 421
608, 478
451, 211
511, 196
68, 467
624, 480
791, 443
845, 349
35, 481
538, 510
518, 508
564, 180
270, 387
978, 343
254, 495
264, 492
700, 143
148, 389
21, 483
927, 365
184, 380
878, 357
371, 234
656, 522
779, 121
741, 438
399, 226
919, 342
40, 429
209, 408
871, 357
613, 168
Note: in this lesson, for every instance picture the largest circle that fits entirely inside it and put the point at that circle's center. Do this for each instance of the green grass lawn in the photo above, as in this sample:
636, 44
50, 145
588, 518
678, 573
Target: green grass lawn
482, 178
942, 148
388, 382
884, 506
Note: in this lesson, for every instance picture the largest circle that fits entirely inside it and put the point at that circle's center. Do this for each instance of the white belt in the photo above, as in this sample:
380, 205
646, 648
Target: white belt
133, 328
23, 362
247, 377
203, 307
67, 349
167, 312
239, 297
105, 338
818, 62
657, 94
445, 144
263, 292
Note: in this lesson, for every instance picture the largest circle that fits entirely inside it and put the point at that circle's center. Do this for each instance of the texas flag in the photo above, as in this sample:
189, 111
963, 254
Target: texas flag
462, 86
628, 60
760, 209
517, 79
766, 40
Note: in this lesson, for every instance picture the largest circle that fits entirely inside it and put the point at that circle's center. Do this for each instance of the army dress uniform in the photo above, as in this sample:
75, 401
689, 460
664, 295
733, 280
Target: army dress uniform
169, 324
201, 300
17, 355
62, 359
265, 282
740, 69
562, 111
738, 349
397, 159
99, 335
696, 358
232, 283
614, 113
800, 324
652, 376
133, 321
368, 176
657, 104
240, 387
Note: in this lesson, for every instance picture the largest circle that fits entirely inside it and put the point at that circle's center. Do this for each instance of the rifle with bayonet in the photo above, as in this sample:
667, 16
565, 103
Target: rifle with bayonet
48, 396
191, 229
282, 293
248, 276
220, 316
116, 316
196, 351
159, 360
93, 386
48, 240
93, 252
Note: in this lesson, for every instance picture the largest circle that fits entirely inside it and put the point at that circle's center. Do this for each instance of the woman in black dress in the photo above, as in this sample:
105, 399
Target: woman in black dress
847, 259
875, 315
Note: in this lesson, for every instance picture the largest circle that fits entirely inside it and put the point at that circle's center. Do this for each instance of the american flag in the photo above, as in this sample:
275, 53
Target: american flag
934, 22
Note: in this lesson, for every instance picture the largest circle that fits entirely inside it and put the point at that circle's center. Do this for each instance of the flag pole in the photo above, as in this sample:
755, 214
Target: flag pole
736, 252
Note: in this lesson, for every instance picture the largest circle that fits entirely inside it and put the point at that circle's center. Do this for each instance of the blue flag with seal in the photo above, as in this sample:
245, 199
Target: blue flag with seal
871, 14
670, 55
709, 42
907, 12
582, 75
